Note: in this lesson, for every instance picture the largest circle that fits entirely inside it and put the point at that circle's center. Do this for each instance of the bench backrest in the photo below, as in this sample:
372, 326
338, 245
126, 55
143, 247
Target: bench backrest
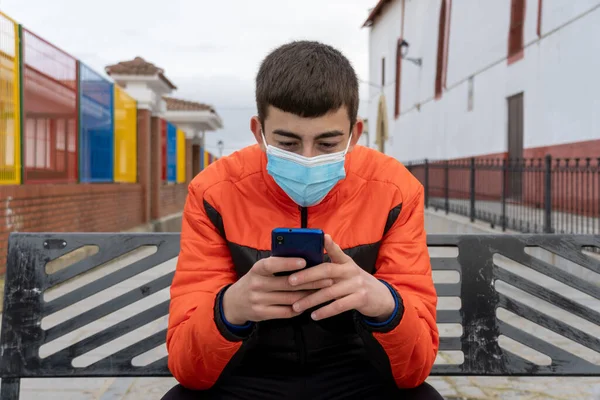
475, 267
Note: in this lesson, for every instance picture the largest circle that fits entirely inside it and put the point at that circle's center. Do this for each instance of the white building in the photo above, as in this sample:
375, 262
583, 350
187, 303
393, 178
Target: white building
493, 77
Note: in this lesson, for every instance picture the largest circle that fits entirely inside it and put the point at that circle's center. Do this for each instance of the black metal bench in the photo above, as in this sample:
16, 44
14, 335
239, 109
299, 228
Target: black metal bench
26, 281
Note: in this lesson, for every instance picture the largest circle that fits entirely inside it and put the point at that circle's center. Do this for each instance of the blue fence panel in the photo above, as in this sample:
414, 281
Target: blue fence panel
171, 152
96, 136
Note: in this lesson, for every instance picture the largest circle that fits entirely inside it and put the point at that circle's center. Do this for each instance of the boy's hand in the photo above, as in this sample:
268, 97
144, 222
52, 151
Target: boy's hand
259, 295
353, 288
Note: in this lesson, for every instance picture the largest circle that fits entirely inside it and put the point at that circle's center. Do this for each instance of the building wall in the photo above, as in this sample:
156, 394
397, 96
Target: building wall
558, 76
68, 208
382, 43
172, 198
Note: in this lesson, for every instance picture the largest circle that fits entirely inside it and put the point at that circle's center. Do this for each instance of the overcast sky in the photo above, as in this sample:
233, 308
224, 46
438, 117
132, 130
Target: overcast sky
211, 50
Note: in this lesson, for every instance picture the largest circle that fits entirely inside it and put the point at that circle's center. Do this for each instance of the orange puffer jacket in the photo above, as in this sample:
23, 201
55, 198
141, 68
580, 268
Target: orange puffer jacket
376, 216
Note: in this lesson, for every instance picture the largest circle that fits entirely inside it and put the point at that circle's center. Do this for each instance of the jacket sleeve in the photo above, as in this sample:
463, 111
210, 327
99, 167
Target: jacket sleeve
411, 337
198, 349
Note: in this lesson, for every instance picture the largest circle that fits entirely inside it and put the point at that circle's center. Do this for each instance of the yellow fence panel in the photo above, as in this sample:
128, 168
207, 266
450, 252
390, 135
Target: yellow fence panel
125, 137
10, 104
206, 159
180, 156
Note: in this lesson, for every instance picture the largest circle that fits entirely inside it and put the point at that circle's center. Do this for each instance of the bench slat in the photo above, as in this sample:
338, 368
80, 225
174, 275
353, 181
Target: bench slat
106, 335
109, 307
549, 322
26, 281
450, 343
448, 289
559, 356
548, 295
449, 317
107, 281
122, 359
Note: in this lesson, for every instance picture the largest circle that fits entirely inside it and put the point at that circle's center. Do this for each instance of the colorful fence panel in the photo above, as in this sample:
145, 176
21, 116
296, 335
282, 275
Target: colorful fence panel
96, 135
180, 156
10, 107
171, 152
206, 159
125, 114
49, 112
163, 149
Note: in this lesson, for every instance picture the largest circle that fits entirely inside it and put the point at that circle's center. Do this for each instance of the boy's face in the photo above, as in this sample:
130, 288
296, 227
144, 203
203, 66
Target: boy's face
308, 137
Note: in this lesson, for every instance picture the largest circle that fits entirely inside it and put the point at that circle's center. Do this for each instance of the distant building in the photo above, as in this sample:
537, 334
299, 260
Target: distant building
510, 78
150, 87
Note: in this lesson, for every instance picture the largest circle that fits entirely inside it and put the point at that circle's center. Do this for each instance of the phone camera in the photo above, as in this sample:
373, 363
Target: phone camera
279, 239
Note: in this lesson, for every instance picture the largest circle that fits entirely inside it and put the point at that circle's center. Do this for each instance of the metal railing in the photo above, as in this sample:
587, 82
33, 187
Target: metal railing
538, 195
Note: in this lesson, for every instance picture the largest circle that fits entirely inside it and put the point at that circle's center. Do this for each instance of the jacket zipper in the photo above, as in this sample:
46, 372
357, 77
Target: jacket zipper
303, 217
300, 341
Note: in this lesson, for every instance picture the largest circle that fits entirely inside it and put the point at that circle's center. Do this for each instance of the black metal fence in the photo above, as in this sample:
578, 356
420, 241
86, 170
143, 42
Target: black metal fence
541, 195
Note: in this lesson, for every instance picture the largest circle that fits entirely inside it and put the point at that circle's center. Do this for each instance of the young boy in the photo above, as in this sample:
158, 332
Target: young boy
360, 326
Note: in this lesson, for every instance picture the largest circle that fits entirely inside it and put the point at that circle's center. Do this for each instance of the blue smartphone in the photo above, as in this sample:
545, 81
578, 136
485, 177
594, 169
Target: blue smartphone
304, 243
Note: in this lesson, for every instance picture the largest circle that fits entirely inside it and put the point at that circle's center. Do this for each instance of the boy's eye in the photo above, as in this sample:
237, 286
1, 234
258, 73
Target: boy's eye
287, 144
328, 145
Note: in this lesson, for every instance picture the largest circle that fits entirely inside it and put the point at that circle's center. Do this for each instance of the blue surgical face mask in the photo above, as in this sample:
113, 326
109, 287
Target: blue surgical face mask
306, 180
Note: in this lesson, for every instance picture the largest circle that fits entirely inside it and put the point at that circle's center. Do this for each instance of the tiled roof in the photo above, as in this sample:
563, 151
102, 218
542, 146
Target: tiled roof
375, 12
174, 104
138, 66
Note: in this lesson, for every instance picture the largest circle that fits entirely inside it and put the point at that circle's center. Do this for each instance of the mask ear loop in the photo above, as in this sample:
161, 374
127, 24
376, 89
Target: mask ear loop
348, 144
262, 133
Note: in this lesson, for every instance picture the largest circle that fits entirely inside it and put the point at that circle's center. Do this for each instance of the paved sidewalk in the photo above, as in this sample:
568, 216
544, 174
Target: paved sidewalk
453, 388
520, 217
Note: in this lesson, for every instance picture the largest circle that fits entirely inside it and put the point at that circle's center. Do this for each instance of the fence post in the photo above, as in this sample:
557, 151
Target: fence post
503, 193
156, 166
472, 189
446, 186
189, 160
548, 195
21, 116
426, 183
144, 160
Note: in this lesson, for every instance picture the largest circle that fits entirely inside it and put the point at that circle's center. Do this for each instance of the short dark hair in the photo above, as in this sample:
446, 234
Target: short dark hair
308, 79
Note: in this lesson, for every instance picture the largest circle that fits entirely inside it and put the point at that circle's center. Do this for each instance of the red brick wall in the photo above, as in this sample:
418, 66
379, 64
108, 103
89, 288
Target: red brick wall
68, 208
588, 148
573, 191
487, 181
172, 198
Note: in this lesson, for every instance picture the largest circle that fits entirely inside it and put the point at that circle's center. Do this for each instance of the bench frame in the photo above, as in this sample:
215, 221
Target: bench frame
26, 281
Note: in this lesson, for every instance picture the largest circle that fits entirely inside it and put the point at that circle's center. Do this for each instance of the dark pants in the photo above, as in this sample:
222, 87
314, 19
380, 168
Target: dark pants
423, 392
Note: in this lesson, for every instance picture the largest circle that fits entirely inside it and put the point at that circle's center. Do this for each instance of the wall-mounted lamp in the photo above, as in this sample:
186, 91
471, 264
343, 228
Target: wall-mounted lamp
404, 51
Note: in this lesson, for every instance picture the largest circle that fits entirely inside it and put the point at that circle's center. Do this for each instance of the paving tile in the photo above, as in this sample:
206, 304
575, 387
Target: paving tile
57, 394
147, 388
66, 384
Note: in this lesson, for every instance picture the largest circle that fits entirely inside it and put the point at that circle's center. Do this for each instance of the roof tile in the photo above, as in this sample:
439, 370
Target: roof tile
138, 66
174, 104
